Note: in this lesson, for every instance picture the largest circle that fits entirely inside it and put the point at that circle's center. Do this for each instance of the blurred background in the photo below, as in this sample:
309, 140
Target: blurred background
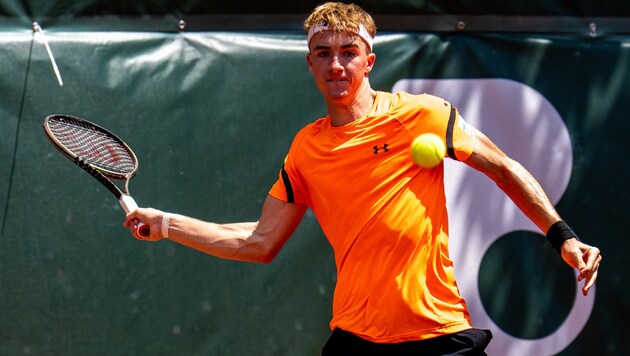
209, 95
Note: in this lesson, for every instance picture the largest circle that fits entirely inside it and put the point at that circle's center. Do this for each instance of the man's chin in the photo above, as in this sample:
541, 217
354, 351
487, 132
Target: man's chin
338, 95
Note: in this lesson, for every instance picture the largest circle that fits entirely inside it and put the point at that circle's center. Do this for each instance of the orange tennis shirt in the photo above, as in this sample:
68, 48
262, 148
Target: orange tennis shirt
384, 216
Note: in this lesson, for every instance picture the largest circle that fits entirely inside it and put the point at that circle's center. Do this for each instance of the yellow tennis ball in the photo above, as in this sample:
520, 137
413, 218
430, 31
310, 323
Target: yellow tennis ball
428, 150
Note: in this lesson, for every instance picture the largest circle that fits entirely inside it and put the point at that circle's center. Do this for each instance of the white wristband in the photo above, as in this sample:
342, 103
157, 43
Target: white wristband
165, 224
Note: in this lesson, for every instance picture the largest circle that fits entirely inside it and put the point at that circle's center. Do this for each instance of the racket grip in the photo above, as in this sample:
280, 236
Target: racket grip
143, 229
128, 204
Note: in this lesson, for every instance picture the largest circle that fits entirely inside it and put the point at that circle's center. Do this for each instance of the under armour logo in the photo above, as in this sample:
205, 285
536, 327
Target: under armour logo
377, 148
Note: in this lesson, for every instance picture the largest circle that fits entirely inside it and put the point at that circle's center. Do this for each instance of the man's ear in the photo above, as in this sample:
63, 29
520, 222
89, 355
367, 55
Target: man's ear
371, 58
309, 63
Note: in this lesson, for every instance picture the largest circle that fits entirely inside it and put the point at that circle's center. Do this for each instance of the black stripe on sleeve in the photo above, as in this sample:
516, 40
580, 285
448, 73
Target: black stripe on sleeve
287, 186
450, 149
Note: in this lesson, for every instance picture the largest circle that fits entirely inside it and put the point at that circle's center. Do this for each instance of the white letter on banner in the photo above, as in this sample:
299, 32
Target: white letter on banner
527, 127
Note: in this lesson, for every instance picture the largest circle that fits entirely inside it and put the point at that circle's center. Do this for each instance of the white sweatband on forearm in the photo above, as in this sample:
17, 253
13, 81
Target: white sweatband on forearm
165, 224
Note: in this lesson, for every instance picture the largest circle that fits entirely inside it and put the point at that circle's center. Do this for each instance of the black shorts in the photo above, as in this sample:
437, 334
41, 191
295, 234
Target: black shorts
467, 342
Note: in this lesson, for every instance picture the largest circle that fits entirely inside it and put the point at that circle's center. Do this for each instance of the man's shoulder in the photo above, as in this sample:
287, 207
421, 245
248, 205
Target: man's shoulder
423, 100
310, 130
314, 127
405, 105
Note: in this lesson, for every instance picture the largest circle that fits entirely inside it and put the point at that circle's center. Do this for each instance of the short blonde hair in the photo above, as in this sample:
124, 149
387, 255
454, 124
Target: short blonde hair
340, 17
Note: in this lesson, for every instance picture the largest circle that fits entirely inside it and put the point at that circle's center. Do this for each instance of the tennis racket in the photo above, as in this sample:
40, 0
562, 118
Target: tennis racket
100, 153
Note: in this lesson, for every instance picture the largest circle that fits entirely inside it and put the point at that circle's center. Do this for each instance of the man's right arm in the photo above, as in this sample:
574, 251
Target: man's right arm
248, 241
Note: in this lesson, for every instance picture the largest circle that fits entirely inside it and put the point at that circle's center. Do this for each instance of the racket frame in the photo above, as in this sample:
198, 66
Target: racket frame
104, 176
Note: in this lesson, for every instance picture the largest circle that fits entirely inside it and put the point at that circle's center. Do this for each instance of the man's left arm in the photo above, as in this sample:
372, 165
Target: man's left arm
529, 196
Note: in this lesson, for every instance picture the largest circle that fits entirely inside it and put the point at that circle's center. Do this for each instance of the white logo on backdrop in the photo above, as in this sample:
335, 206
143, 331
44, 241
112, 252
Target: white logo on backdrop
527, 127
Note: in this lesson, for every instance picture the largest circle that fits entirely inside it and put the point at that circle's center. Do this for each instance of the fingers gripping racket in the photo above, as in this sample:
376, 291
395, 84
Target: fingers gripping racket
100, 153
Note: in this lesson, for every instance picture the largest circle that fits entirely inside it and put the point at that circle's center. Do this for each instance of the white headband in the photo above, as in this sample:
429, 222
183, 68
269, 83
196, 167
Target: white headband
363, 33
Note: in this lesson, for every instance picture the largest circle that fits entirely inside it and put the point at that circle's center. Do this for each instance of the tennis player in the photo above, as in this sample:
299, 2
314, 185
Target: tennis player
384, 216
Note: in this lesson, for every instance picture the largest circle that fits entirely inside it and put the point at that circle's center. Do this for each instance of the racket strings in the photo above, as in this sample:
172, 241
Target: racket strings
94, 147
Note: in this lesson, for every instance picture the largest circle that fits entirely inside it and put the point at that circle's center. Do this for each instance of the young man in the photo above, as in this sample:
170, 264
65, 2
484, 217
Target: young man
384, 216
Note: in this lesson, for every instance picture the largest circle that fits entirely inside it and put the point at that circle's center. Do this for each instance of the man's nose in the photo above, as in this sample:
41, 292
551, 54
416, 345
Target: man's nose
335, 65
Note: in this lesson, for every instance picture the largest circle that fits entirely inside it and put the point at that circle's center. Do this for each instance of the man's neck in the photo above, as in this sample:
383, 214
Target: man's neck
342, 113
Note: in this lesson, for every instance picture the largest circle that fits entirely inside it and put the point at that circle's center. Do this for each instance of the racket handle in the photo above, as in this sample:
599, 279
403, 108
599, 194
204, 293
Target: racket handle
128, 204
143, 229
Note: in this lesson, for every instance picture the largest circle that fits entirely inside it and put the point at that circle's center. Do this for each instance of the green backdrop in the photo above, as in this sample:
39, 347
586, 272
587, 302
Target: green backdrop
210, 115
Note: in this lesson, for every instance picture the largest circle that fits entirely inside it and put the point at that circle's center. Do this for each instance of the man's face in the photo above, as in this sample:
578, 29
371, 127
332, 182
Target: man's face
339, 63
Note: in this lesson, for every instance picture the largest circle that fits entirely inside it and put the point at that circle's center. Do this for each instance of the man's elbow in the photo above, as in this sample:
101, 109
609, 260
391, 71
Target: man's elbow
264, 252
267, 259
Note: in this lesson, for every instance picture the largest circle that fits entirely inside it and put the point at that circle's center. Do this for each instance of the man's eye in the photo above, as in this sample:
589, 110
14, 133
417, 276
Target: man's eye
323, 54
